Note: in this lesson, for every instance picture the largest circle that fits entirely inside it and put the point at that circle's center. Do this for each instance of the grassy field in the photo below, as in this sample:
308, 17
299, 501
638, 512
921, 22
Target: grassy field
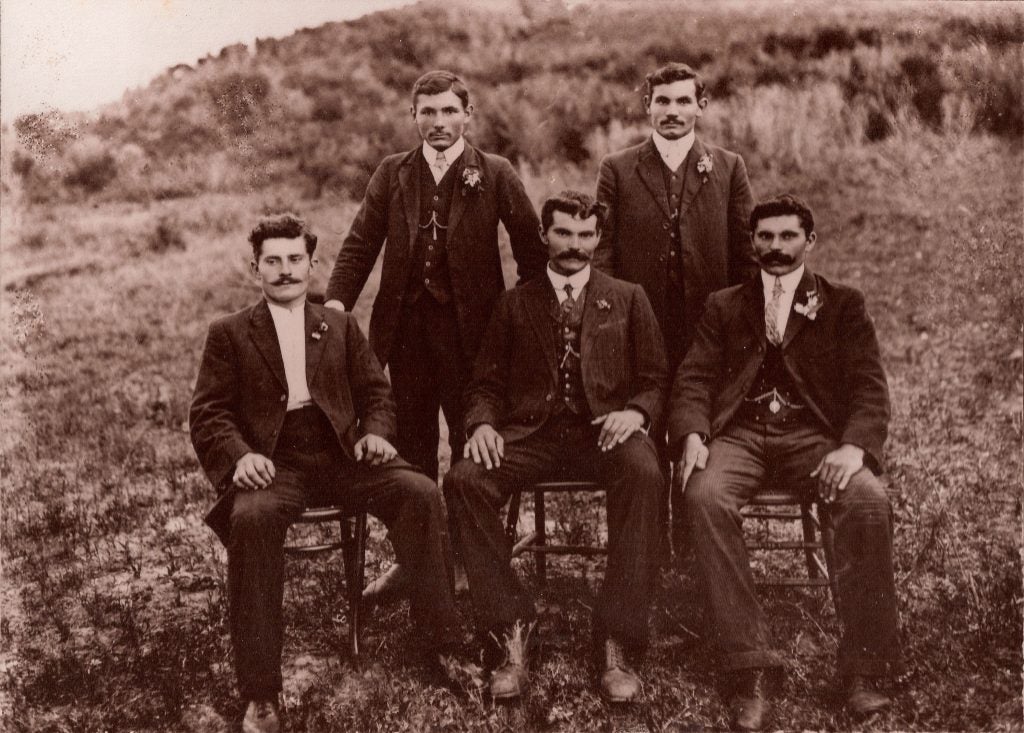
113, 594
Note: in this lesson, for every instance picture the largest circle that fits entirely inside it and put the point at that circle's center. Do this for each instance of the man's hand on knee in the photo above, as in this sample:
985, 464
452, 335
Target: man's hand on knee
485, 446
253, 471
835, 470
617, 426
695, 457
374, 450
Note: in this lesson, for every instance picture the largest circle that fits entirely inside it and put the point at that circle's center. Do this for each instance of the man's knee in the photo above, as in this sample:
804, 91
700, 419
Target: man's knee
420, 491
638, 462
255, 510
865, 496
704, 496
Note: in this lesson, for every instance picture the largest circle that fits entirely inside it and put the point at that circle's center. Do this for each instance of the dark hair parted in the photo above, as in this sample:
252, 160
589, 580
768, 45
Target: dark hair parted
284, 226
669, 73
575, 203
784, 204
438, 82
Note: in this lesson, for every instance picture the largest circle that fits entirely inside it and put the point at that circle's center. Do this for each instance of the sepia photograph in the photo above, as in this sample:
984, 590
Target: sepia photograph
532, 365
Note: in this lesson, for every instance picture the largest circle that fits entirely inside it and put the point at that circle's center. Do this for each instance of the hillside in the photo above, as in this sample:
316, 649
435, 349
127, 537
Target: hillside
317, 110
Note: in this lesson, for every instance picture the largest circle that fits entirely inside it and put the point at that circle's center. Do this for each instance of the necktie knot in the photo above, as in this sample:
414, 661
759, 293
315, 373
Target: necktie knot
440, 161
771, 314
568, 292
777, 288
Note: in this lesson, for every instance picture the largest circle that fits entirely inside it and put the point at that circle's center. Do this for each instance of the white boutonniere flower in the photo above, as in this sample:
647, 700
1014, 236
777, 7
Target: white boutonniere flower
603, 305
705, 166
809, 309
322, 329
472, 179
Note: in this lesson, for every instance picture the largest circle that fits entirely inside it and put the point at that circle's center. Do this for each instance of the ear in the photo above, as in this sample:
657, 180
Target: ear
469, 110
702, 103
543, 234
412, 111
254, 268
811, 239
647, 103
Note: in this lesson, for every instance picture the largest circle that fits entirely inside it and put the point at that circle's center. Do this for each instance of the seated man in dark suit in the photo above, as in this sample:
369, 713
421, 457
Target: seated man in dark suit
784, 383
570, 374
291, 409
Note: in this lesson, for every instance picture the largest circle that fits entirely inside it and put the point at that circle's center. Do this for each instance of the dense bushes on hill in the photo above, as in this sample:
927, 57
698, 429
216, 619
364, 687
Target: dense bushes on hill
319, 109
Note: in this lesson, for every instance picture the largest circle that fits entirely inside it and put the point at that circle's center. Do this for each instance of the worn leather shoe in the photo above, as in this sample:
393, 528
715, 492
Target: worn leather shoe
510, 679
619, 683
261, 717
389, 587
862, 699
749, 706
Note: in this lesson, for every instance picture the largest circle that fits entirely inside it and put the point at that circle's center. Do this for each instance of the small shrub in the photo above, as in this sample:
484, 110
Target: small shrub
167, 235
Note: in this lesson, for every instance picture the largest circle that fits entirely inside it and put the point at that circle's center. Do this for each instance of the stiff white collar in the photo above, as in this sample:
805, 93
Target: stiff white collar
674, 152
789, 281
275, 307
577, 280
450, 155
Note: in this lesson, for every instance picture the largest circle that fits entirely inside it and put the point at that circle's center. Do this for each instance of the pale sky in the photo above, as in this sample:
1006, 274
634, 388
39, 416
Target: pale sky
79, 54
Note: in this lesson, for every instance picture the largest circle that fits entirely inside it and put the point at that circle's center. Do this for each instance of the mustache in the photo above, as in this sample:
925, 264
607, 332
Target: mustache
286, 281
777, 258
573, 254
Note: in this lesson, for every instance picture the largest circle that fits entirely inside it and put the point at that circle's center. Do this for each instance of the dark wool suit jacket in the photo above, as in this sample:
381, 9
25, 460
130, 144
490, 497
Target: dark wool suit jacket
515, 379
241, 392
833, 359
390, 212
714, 232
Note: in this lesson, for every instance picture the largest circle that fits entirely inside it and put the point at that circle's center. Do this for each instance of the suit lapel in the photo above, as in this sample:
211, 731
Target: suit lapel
797, 321
694, 179
409, 183
649, 169
264, 336
539, 305
314, 346
593, 316
753, 296
469, 157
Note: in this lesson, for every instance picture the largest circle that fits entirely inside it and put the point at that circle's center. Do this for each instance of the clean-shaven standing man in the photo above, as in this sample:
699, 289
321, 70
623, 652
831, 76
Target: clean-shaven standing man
435, 210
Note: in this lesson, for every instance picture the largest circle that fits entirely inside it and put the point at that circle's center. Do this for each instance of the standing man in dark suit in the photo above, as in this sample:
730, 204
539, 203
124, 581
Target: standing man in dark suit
784, 383
677, 215
438, 207
570, 376
291, 409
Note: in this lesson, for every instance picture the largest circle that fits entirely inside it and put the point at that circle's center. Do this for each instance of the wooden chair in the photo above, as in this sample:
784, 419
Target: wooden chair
353, 552
536, 540
818, 536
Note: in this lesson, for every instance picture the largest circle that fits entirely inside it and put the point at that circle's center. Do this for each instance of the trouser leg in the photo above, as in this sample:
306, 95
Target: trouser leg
475, 496
633, 480
259, 521
416, 391
409, 503
713, 499
862, 519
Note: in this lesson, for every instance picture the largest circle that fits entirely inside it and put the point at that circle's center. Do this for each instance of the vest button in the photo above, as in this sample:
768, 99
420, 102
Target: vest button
435, 198
664, 225
284, 397
548, 397
426, 281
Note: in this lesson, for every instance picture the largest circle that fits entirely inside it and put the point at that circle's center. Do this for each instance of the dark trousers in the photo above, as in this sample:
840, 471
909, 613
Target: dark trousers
565, 446
312, 470
428, 372
741, 459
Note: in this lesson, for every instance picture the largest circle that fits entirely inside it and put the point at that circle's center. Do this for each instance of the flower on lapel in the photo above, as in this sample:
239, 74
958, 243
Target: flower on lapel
472, 179
322, 329
705, 166
603, 305
809, 309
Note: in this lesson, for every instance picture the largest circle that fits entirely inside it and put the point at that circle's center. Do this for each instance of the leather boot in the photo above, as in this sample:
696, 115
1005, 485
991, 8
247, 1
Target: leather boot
391, 586
749, 706
619, 683
261, 717
862, 699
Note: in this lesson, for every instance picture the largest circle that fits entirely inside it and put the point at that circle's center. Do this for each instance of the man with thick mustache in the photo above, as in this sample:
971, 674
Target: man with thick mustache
784, 384
292, 409
570, 377
677, 216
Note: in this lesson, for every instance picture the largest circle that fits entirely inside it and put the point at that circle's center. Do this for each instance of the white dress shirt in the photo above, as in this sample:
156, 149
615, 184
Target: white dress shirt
290, 324
450, 156
789, 282
674, 152
577, 280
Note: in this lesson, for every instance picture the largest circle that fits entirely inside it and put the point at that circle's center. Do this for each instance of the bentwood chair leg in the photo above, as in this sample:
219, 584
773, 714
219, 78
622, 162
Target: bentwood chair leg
807, 521
540, 524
